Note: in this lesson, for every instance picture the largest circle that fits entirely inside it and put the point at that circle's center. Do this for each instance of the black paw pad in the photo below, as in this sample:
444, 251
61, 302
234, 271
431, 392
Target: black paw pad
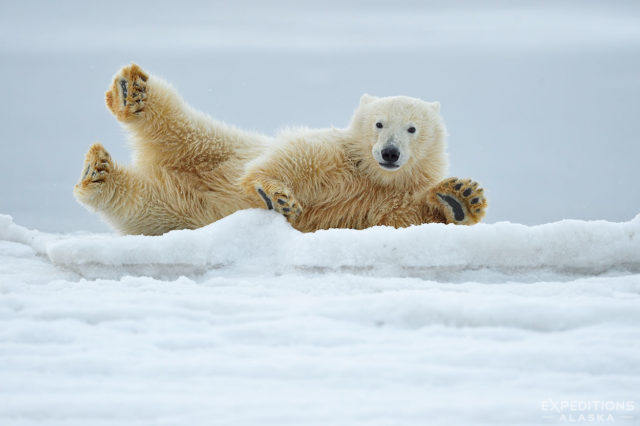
458, 213
466, 192
458, 186
266, 199
281, 201
475, 200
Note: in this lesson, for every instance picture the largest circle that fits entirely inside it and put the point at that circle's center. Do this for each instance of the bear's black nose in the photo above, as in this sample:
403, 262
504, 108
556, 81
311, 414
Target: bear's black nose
390, 154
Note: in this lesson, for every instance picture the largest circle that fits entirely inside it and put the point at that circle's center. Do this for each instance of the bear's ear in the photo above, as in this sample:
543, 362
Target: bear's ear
366, 99
436, 106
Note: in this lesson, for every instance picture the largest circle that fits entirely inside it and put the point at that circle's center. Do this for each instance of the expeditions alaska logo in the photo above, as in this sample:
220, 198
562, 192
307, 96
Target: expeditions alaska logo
588, 411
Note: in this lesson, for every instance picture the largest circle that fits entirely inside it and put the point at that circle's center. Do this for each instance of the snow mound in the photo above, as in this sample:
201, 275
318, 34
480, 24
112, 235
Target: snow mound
259, 242
289, 326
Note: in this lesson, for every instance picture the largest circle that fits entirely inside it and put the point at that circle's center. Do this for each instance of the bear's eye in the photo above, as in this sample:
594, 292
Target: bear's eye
379, 125
411, 129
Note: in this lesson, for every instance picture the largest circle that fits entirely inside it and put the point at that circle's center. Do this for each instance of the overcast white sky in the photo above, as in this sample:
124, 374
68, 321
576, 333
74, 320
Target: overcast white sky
540, 98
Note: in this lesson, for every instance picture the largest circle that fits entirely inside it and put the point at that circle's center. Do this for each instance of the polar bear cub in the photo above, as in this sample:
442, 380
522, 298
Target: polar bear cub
188, 170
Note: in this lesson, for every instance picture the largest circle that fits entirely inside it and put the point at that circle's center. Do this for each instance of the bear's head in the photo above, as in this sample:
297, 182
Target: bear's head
399, 140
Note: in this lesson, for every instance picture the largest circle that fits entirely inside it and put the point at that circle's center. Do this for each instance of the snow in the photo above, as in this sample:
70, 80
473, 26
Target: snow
248, 321
255, 241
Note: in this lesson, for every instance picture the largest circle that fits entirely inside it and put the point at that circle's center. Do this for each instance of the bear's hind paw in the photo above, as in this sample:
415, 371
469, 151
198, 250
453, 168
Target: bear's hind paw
97, 166
127, 95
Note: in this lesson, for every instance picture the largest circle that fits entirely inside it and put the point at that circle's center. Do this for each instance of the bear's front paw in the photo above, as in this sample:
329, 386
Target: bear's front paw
128, 93
461, 200
280, 201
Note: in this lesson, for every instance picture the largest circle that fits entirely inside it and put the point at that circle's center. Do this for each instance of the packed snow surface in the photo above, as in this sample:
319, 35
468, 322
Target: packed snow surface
248, 321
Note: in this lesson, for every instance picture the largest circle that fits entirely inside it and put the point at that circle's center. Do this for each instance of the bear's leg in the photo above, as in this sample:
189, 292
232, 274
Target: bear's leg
164, 128
115, 192
166, 131
126, 200
461, 201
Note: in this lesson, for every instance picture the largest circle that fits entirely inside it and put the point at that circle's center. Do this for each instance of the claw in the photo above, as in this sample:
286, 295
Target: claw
266, 199
123, 86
